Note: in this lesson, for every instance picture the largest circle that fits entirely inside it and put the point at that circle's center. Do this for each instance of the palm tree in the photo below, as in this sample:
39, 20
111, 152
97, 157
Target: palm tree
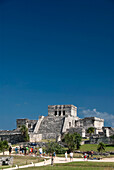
3, 146
24, 132
90, 130
101, 147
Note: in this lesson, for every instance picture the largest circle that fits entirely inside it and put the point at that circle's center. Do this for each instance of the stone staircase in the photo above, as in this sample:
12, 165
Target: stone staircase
51, 126
38, 124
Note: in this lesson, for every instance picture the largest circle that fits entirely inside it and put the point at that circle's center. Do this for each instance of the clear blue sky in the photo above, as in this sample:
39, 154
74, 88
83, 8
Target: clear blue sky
55, 52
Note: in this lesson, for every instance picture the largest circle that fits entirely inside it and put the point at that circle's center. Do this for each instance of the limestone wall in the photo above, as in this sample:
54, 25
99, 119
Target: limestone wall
101, 139
11, 137
90, 122
69, 122
30, 124
62, 110
34, 137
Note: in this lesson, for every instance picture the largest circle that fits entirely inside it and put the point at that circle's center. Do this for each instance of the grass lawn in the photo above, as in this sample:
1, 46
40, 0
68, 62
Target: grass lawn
89, 147
23, 160
78, 166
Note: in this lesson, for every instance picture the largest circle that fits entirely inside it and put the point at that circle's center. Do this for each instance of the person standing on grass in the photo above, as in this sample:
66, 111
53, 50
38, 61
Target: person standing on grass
66, 156
92, 154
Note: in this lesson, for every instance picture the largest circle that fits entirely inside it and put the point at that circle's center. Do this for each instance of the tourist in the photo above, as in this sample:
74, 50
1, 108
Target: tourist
52, 160
44, 153
16, 150
92, 154
10, 149
20, 150
40, 151
54, 154
35, 151
27, 149
88, 156
31, 150
66, 156
71, 156
85, 157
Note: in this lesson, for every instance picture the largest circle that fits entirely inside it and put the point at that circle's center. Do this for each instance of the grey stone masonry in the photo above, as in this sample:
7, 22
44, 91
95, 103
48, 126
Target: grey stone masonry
51, 125
61, 119
62, 110
30, 124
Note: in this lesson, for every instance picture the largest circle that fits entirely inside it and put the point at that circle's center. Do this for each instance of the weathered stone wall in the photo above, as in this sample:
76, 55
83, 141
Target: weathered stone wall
34, 137
11, 137
30, 124
21, 122
62, 110
69, 122
90, 122
78, 130
105, 140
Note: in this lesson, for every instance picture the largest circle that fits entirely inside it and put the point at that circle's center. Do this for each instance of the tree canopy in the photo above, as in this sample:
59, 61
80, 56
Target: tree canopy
24, 132
90, 130
54, 147
101, 147
3, 146
72, 140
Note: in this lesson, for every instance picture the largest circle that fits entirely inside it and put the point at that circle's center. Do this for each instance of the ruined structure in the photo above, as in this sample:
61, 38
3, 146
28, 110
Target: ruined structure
61, 119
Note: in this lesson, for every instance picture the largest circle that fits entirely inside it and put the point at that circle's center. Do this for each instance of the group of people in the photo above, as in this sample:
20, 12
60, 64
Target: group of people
71, 156
88, 154
25, 150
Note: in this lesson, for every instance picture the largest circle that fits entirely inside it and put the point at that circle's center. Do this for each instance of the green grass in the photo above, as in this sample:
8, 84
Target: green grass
48, 140
23, 160
78, 166
89, 147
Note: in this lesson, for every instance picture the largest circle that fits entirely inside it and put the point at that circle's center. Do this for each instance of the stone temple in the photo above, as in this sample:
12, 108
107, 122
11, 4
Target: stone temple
61, 119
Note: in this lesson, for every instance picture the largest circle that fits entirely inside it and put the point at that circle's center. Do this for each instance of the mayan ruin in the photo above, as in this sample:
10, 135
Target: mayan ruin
60, 119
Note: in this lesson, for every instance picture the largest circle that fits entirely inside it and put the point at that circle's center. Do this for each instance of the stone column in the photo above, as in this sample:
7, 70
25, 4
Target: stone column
96, 131
83, 133
107, 132
61, 112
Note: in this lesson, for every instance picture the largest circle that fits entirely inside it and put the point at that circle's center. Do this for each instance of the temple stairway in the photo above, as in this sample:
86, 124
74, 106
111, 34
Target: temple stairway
51, 126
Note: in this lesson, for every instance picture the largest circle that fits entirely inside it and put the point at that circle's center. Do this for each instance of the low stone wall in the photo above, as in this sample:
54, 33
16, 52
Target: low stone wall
11, 137
101, 139
49, 136
35, 137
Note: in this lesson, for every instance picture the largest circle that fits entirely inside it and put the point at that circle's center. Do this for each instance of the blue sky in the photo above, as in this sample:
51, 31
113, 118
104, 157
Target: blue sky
56, 52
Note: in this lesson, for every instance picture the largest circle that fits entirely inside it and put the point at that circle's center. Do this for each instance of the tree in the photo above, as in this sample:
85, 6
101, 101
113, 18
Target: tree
72, 140
3, 146
101, 147
54, 147
112, 137
24, 132
90, 130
